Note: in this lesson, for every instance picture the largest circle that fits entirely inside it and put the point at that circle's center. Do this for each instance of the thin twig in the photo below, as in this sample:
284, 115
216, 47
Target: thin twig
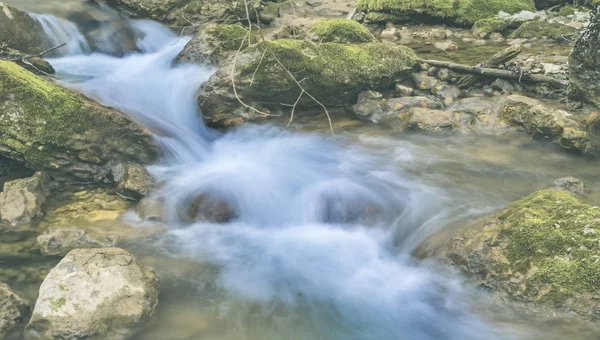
294, 108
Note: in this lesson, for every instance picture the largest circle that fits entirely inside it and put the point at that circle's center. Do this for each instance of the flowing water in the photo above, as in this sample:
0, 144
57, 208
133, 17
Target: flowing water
321, 244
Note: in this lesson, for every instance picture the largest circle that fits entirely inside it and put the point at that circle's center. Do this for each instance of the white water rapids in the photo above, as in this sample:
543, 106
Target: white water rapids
302, 238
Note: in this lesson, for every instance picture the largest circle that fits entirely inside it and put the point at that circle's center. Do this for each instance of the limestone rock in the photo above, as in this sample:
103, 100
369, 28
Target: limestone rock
584, 64
552, 125
13, 310
132, 180
151, 209
59, 241
47, 127
94, 294
24, 200
571, 184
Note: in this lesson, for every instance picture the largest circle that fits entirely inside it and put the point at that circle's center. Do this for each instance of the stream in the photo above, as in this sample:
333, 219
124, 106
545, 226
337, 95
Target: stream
321, 245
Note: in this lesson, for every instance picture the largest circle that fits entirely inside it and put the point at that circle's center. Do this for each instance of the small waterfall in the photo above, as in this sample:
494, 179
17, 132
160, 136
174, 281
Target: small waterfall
59, 31
295, 240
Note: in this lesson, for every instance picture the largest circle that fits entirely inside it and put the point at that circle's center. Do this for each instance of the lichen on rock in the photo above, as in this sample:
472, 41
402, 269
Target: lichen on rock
535, 29
543, 250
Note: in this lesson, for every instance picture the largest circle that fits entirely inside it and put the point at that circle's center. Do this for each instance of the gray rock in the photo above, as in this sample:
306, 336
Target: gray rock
404, 91
571, 184
132, 180
59, 241
18, 28
383, 110
424, 81
94, 294
13, 310
24, 200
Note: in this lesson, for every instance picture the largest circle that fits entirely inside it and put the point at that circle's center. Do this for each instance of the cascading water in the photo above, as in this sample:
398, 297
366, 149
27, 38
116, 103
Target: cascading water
59, 31
316, 227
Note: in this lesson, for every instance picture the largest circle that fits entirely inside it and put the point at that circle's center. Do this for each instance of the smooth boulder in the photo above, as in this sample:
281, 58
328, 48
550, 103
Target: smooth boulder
584, 64
334, 74
20, 30
24, 200
94, 294
133, 180
45, 126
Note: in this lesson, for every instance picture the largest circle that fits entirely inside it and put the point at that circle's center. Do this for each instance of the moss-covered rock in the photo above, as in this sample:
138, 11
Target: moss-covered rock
47, 127
341, 31
584, 64
463, 12
544, 29
566, 11
333, 73
175, 12
213, 43
490, 25
542, 250
20, 31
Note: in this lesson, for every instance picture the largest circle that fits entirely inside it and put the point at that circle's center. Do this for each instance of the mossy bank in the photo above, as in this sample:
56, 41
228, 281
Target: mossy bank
47, 127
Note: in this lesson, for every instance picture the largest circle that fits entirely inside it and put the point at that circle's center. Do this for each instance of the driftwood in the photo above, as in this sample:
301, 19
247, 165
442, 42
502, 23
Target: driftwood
496, 73
24, 60
496, 60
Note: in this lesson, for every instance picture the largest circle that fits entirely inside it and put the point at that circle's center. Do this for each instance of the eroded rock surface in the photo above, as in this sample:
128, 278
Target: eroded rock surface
94, 294
13, 310
24, 200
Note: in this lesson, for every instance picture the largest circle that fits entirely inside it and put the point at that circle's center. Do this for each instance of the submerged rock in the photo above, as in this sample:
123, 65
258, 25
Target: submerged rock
133, 180
543, 250
61, 131
333, 73
584, 64
570, 184
386, 110
20, 31
94, 294
24, 200
60, 241
13, 310
462, 12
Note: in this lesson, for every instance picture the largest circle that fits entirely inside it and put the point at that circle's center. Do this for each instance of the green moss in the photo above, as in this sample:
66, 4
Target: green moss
37, 112
560, 236
229, 36
465, 12
566, 11
490, 25
334, 72
533, 29
341, 31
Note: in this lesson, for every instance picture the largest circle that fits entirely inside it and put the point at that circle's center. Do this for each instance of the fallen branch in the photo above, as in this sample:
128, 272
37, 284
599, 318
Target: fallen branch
496, 73
496, 60
39, 55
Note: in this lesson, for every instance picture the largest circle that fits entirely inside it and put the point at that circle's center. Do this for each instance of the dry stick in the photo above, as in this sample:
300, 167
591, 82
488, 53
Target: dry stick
25, 60
294, 108
496, 60
307, 93
492, 72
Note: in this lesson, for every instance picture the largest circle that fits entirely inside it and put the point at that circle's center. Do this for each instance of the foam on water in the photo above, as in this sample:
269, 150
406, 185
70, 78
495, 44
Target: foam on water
317, 226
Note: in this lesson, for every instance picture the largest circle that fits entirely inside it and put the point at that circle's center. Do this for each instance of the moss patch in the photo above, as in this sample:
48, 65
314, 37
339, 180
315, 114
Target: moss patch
465, 12
534, 29
558, 234
228, 36
490, 25
333, 72
341, 31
